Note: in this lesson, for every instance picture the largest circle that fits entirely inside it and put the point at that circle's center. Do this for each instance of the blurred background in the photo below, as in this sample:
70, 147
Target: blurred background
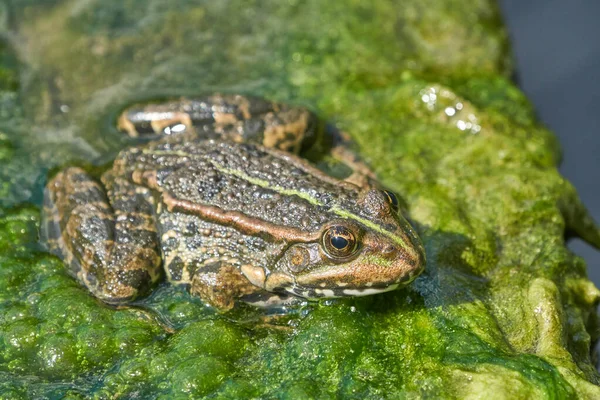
557, 49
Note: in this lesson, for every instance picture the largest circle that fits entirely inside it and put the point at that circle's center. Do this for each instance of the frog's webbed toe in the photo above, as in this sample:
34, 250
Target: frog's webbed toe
112, 250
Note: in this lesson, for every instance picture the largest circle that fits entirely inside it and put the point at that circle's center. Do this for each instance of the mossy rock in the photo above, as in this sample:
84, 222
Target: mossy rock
503, 310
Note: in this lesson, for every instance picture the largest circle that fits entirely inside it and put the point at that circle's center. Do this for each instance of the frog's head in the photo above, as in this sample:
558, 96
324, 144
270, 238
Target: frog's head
355, 254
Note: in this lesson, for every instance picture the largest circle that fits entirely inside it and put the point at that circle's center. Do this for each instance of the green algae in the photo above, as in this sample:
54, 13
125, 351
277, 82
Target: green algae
503, 310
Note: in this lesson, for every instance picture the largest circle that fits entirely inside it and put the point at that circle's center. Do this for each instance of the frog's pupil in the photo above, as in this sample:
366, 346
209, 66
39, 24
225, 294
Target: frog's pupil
339, 242
392, 197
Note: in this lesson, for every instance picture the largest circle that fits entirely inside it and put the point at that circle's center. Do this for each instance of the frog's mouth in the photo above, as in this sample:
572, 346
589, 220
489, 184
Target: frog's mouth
331, 285
308, 288
330, 293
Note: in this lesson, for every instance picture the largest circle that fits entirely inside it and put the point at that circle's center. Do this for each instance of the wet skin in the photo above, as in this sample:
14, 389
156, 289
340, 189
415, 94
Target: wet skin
220, 203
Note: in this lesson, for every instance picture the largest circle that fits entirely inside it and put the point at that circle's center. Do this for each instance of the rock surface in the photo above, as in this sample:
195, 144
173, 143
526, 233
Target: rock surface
503, 310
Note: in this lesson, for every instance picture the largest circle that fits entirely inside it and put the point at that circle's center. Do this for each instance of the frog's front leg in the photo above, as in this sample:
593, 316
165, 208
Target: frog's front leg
111, 247
220, 285
235, 117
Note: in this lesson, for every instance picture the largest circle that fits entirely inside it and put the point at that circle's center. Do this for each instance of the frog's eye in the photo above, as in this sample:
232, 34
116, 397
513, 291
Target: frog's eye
339, 242
392, 199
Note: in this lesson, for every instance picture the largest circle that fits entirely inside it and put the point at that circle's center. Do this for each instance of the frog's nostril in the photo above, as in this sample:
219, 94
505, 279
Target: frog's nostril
389, 251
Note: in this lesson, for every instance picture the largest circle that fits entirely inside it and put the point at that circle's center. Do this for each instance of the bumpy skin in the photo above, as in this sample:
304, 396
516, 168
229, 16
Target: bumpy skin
238, 118
230, 219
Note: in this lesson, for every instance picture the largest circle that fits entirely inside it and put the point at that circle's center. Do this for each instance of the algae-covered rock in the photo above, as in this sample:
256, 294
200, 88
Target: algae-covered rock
503, 310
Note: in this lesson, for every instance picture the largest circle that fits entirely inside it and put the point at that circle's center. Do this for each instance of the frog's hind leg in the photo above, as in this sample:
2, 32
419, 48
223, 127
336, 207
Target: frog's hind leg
113, 251
234, 117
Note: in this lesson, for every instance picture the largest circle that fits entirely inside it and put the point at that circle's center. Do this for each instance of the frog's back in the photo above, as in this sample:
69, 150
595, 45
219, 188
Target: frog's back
259, 184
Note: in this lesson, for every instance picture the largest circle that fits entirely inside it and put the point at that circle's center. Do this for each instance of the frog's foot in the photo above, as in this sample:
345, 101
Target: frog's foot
342, 150
234, 117
113, 251
362, 175
220, 285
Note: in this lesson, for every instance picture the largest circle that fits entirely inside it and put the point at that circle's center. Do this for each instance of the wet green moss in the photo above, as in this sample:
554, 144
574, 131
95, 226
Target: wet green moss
503, 309
8, 72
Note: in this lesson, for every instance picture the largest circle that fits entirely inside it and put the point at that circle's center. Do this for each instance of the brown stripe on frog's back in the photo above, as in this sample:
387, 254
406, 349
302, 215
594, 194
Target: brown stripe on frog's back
248, 225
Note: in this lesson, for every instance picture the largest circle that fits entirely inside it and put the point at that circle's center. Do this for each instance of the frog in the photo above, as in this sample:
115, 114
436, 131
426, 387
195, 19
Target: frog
216, 197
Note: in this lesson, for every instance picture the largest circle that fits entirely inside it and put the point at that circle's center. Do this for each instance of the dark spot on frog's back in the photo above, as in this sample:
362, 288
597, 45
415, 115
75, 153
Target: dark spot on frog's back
170, 244
131, 203
193, 243
191, 227
138, 220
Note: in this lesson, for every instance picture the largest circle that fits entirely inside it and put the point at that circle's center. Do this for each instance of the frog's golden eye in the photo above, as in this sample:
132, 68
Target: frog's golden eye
339, 242
392, 199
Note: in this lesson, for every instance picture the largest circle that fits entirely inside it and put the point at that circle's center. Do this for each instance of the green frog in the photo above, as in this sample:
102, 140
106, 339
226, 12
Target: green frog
219, 201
